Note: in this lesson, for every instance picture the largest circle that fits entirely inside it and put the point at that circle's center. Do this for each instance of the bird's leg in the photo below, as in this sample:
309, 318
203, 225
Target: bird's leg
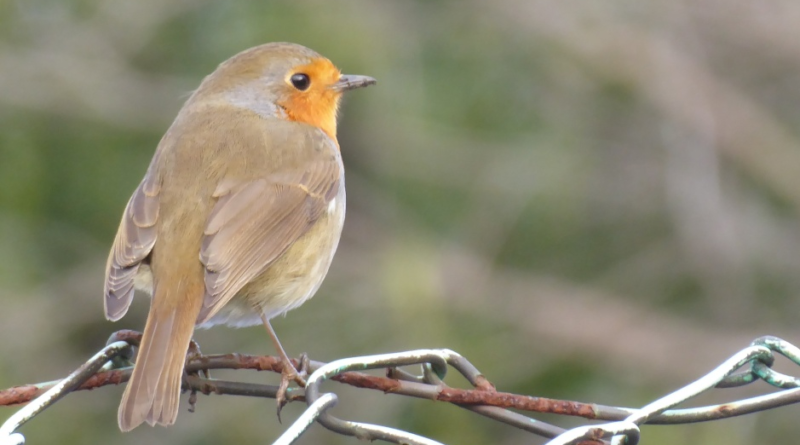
288, 372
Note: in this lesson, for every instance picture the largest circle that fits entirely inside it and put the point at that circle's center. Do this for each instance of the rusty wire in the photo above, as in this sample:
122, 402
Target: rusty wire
8, 434
749, 365
759, 357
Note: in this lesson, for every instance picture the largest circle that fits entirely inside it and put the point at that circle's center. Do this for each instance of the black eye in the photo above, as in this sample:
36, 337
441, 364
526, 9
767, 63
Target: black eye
300, 81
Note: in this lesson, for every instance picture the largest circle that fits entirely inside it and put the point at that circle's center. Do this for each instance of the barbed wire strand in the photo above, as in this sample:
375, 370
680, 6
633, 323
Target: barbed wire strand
235, 361
389, 385
484, 399
508, 417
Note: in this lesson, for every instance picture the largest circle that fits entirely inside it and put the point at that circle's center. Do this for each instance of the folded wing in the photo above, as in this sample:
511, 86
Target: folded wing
254, 222
133, 243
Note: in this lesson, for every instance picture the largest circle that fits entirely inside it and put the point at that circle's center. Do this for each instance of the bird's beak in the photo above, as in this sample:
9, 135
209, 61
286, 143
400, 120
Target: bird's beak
348, 82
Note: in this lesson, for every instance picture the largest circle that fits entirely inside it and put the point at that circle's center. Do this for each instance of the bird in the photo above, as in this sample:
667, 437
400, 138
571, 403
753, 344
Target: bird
237, 218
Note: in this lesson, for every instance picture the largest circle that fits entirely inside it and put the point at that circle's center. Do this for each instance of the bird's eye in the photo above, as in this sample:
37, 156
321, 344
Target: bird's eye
300, 81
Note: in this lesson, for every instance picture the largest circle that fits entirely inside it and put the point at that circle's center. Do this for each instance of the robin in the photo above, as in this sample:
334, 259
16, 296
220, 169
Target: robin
237, 218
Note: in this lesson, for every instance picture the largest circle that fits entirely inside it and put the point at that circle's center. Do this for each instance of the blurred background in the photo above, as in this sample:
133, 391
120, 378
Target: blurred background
590, 201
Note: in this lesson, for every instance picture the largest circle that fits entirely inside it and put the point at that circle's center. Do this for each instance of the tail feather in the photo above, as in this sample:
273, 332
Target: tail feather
153, 392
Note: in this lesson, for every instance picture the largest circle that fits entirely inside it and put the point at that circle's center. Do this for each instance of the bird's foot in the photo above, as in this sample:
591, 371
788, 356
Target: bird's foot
193, 354
288, 374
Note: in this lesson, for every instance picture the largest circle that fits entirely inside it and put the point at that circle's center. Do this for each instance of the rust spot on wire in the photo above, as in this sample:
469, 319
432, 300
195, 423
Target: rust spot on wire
368, 381
508, 400
725, 410
106, 378
18, 395
483, 384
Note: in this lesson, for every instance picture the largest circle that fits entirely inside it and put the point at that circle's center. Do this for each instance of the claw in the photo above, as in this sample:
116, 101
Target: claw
192, 354
288, 373
302, 370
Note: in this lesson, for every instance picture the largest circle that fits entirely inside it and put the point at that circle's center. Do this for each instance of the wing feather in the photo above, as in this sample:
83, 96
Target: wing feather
133, 243
255, 222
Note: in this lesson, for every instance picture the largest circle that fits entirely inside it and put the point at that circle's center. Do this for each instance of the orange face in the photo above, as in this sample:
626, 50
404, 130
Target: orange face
312, 99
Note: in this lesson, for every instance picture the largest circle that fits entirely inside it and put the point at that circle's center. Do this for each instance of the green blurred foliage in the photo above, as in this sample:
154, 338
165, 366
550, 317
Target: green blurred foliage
594, 202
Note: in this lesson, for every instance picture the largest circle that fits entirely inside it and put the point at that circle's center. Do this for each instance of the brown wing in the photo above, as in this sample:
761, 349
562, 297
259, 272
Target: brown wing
135, 239
254, 222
